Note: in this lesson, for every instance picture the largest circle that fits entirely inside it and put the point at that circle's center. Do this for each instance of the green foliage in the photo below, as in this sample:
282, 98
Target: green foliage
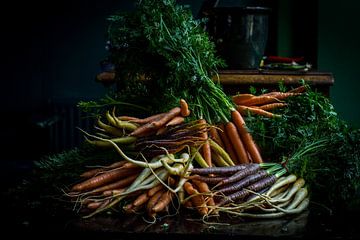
310, 122
98, 108
161, 41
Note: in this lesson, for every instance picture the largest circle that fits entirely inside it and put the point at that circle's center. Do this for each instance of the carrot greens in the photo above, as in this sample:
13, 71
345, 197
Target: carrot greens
160, 41
315, 144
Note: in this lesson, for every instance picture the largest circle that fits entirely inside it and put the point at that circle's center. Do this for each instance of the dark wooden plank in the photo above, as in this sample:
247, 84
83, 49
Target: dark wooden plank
256, 77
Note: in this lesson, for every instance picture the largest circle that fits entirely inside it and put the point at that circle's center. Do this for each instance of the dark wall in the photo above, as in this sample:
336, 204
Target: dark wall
51, 53
339, 51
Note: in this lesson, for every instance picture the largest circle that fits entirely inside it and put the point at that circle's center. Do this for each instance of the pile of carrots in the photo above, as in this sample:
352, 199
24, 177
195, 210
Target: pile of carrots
209, 168
235, 138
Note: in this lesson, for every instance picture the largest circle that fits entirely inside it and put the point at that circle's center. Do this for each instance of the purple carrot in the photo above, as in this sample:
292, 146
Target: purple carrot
220, 170
253, 168
258, 186
244, 182
208, 180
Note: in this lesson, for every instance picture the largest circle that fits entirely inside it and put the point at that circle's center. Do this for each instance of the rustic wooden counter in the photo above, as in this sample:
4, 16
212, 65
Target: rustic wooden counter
235, 81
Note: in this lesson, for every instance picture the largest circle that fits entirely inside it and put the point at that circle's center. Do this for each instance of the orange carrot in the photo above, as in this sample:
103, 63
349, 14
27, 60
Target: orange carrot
206, 150
163, 202
246, 137
124, 182
93, 205
197, 200
244, 110
117, 165
152, 201
271, 106
228, 147
300, 89
236, 142
175, 121
240, 98
151, 192
260, 100
93, 172
144, 130
102, 179
112, 192
100, 204
184, 108
141, 199
148, 119
284, 95
216, 137
204, 188
169, 115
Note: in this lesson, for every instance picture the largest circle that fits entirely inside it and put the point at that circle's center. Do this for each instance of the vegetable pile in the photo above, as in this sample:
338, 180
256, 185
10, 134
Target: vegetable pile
247, 155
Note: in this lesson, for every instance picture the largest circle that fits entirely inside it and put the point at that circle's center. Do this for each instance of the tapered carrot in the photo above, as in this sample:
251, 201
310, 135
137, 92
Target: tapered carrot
259, 100
197, 200
144, 130
206, 150
244, 110
100, 204
152, 201
93, 205
228, 147
148, 119
215, 136
272, 106
163, 202
300, 89
167, 117
151, 192
141, 199
284, 95
246, 137
175, 121
204, 188
112, 192
240, 98
237, 143
124, 182
101, 179
184, 108
93, 172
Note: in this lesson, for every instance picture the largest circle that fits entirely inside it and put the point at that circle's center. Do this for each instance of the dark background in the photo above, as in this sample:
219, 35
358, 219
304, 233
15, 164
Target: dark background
51, 52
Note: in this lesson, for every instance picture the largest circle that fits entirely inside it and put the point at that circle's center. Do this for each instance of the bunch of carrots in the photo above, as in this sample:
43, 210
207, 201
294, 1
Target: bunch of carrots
235, 138
229, 169
246, 190
263, 104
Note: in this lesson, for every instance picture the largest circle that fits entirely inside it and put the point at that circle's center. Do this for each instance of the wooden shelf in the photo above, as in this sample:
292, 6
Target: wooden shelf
241, 80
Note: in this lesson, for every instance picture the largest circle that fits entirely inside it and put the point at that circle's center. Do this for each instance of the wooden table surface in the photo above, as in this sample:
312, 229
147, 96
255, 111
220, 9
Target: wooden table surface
240, 80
